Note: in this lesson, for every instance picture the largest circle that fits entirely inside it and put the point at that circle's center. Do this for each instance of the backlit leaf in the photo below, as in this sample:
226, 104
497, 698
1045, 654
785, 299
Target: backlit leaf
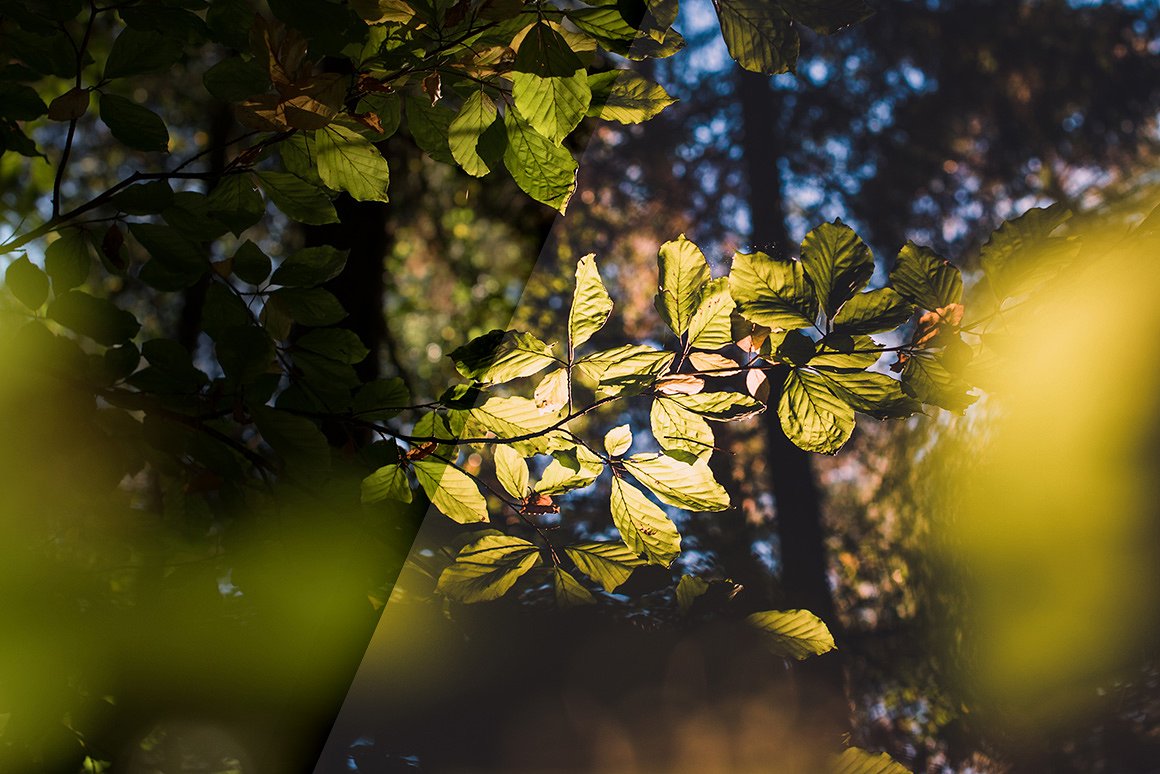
347, 161
680, 484
837, 262
626, 96
772, 292
795, 634
387, 483
451, 491
683, 274
543, 170
591, 303
759, 35
645, 528
488, 568
812, 416
499, 356
609, 564
511, 470
921, 276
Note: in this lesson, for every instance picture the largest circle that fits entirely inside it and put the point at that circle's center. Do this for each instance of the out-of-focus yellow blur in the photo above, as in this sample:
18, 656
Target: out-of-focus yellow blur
1055, 528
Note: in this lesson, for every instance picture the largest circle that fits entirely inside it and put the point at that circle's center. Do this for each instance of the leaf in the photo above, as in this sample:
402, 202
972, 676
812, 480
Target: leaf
299, 200
234, 79
551, 393
795, 634
21, 103
609, 564
680, 431
864, 354
683, 273
854, 760
512, 417
714, 364
1021, 253
335, 343
387, 483
626, 96
543, 51
827, 16
430, 125
645, 528
235, 202
27, 282
487, 569
689, 587
310, 266
582, 470
921, 276
500, 356
772, 292
347, 161
878, 311
136, 126
872, 393
838, 264
625, 369
607, 25
617, 440
295, 439
451, 490
681, 484
569, 592
710, 327
138, 51
97, 318
68, 260
759, 35
924, 377
544, 171
244, 352
308, 306
679, 384
381, 399
511, 470
591, 304
465, 130
553, 106
720, 406
812, 416
148, 198
250, 264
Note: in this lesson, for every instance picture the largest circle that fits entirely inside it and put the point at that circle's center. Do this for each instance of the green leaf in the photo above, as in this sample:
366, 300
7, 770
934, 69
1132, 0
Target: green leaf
236, 202
136, 52
1022, 254
872, 393
795, 634
335, 343
543, 170
720, 406
512, 417
609, 564
464, 132
176, 262
310, 266
381, 399
689, 588
582, 469
347, 161
680, 431
488, 568
387, 483
234, 79
223, 311
499, 356
864, 354
680, 484
250, 264
759, 35
97, 318
838, 264
924, 377
569, 592
645, 528
149, 198
553, 106
21, 103
710, 327
300, 200
430, 125
827, 16
607, 25
683, 273
244, 352
295, 439
812, 416
772, 292
27, 282
625, 369
857, 761
543, 51
551, 393
308, 306
626, 97
921, 276
617, 440
591, 303
878, 311
136, 126
451, 490
511, 470
68, 260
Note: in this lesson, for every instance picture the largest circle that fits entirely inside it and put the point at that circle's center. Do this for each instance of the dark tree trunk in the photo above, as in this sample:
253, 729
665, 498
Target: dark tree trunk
797, 500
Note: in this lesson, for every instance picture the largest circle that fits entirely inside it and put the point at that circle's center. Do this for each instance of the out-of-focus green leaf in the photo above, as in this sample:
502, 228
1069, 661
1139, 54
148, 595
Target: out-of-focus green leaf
27, 282
98, 318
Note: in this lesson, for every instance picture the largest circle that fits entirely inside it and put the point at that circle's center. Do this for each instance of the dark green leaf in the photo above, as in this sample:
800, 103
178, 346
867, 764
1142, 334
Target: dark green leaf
27, 282
921, 276
300, 200
878, 311
97, 318
136, 51
148, 198
235, 202
308, 306
827, 16
838, 264
244, 352
335, 343
543, 170
68, 260
812, 416
1022, 253
310, 266
20, 103
926, 378
235, 79
297, 440
430, 125
250, 264
544, 52
136, 126
381, 399
872, 393
759, 35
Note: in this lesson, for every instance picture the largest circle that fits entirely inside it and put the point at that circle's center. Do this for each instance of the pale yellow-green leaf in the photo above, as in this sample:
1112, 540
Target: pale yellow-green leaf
473, 119
551, 393
689, 587
857, 761
559, 478
552, 105
720, 406
772, 292
646, 529
793, 633
569, 592
714, 364
451, 491
678, 430
347, 161
488, 568
543, 170
812, 416
680, 484
511, 418
683, 273
617, 440
511, 470
626, 96
591, 303
609, 564
388, 482
710, 326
